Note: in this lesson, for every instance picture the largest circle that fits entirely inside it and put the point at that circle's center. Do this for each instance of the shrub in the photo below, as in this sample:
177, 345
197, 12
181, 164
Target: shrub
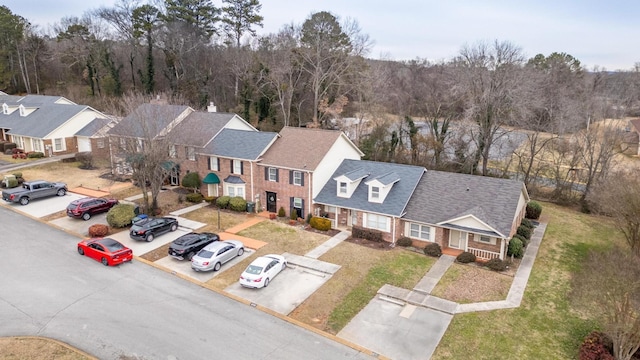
238, 204
496, 265
524, 231
320, 223
533, 211
210, 199
17, 174
98, 230
527, 223
596, 346
35, 155
294, 214
8, 148
516, 248
192, 181
404, 241
433, 249
368, 234
524, 240
86, 159
120, 215
194, 197
223, 202
309, 216
15, 150
466, 257
12, 182
281, 212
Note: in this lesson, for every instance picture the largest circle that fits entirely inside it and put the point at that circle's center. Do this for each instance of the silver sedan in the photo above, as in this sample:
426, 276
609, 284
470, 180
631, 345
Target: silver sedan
212, 256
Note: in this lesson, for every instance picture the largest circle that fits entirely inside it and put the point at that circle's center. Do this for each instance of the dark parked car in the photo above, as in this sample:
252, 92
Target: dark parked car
86, 207
188, 245
147, 229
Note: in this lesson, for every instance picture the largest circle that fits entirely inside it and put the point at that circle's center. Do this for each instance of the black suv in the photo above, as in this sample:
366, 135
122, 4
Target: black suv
188, 245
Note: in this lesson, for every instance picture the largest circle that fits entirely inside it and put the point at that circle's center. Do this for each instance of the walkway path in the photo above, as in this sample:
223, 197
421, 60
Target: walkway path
327, 245
420, 295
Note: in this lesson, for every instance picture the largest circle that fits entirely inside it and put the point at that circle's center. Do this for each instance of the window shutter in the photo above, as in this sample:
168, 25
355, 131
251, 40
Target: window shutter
277, 175
302, 179
241, 167
290, 205
209, 164
301, 209
266, 173
217, 164
290, 176
231, 165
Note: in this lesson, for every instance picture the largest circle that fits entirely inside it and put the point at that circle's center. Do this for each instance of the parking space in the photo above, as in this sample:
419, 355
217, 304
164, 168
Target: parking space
184, 267
291, 287
142, 247
397, 330
79, 226
43, 207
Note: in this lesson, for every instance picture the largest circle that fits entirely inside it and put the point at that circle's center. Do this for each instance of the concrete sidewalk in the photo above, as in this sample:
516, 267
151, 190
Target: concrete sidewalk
419, 296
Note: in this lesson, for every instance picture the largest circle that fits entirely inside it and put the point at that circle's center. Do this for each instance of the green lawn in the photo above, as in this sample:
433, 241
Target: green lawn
546, 325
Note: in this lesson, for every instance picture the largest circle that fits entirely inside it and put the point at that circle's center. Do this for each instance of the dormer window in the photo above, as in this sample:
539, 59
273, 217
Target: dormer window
375, 192
343, 188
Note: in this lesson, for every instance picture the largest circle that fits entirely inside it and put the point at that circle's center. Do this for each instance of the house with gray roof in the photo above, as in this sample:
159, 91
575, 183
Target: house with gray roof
458, 211
46, 124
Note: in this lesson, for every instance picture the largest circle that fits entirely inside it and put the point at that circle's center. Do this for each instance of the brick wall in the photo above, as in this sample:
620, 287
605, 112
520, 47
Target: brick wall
283, 189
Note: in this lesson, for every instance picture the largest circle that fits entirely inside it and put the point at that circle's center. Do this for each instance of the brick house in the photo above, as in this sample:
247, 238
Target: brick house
93, 138
294, 169
463, 212
46, 124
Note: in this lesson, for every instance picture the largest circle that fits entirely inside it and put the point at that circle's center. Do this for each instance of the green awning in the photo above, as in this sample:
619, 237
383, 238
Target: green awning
211, 178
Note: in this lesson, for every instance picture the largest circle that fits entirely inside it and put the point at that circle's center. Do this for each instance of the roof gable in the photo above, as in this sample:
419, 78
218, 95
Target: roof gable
150, 120
395, 201
42, 121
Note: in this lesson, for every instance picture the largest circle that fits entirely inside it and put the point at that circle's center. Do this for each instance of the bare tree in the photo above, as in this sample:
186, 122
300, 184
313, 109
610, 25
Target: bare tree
142, 144
492, 77
609, 286
619, 196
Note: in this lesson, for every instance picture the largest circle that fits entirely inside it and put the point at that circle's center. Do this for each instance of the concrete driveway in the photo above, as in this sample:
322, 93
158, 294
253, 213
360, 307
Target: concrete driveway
291, 287
47, 206
79, 226
184, 267
397, 330
140, 247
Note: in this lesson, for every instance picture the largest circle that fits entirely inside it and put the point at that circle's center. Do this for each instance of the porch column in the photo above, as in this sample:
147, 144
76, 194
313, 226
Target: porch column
502, 246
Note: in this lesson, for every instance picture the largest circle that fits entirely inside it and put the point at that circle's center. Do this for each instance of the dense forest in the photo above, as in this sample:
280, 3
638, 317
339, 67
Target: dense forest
447, 115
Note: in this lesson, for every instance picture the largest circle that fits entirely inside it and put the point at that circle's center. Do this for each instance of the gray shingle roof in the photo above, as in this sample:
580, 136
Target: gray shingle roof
42, 121
356, 174
240, 144
198, 128
232, 179
148, 120
395, 202
442, 196
93, 127
388, 178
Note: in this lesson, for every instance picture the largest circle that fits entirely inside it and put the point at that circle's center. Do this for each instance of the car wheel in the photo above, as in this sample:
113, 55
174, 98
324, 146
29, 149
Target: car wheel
240, 251
61, 192
24, 201
266, 282
174, 227
86, 216
149, 238
216, 267
80, 251
190, 256
104, 262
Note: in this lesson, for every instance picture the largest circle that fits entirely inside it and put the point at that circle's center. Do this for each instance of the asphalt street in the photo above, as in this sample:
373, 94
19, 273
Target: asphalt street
135, 310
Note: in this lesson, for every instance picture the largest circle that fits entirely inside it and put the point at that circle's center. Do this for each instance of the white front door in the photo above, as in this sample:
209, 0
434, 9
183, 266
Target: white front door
457, 239
212, 189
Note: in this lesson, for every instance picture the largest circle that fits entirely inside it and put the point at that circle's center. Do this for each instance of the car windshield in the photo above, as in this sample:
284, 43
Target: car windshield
112, 245
205, 254
255, 270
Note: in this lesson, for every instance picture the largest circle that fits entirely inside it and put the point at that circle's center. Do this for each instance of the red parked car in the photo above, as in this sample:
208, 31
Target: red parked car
106, 250
86, 207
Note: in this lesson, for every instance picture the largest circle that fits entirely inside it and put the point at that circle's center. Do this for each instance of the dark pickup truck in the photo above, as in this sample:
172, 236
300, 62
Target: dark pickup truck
34, 190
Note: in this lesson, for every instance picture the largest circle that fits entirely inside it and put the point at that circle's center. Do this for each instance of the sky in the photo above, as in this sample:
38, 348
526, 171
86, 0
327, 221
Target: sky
598, 33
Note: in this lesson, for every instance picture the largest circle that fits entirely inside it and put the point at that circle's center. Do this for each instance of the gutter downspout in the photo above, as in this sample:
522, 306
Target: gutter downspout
309, 207
252, 194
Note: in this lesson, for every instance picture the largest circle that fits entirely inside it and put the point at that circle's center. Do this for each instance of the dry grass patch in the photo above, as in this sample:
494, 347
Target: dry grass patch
209, 215
469, 283
36, 348
356, 261
69, 173
280, 238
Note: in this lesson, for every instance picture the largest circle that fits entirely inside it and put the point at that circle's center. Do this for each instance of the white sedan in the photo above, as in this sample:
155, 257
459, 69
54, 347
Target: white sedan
262, 270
